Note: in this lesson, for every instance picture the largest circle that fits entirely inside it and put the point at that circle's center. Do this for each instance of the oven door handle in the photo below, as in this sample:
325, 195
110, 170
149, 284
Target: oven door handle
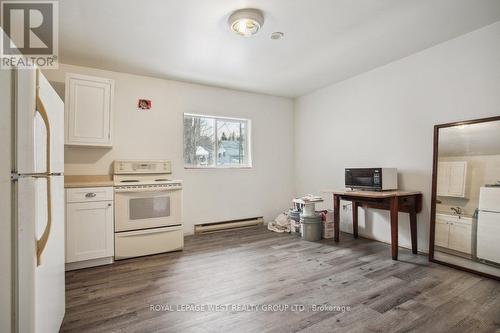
161, 230
151, 189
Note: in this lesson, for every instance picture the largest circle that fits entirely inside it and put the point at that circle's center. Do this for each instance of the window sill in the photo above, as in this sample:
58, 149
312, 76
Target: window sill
218, 167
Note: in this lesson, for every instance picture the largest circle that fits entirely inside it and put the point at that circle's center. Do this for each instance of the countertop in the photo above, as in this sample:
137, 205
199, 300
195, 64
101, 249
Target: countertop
78, 181
453, 215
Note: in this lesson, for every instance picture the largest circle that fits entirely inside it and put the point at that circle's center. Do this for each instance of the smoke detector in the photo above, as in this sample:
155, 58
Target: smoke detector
277, 35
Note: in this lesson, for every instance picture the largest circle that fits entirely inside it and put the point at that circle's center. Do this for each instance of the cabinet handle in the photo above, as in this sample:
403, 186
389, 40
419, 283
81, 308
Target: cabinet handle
90, 195
109, 205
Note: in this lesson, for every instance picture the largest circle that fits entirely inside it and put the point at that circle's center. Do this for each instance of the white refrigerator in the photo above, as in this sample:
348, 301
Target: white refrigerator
37, 184
488, 224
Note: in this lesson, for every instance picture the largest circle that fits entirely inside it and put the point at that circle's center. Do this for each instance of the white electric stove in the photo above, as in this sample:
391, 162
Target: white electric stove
148, 209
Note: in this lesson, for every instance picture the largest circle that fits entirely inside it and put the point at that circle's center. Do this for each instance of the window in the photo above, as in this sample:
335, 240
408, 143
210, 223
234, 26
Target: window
216, 142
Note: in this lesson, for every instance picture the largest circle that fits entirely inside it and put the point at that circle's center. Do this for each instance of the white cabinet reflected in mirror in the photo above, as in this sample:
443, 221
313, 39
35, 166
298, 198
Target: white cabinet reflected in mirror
465, 216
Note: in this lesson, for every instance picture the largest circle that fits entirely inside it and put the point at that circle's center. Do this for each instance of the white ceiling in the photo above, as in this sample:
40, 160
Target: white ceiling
326, 41
469, 140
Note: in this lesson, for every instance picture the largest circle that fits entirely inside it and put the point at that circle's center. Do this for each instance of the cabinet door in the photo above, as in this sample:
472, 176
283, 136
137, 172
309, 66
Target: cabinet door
460, 237
441, 234
451, 181
88, 110
458, 175
89, 231
443, 178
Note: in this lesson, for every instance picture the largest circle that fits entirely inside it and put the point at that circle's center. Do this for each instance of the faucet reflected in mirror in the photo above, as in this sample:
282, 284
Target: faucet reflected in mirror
457, 211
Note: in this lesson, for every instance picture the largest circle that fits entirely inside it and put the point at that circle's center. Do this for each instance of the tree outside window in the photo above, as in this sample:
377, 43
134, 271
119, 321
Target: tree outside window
216, 142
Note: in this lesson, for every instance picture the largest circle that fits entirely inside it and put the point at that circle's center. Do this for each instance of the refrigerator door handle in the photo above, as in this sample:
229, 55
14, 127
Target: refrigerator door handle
42, 242
40, 108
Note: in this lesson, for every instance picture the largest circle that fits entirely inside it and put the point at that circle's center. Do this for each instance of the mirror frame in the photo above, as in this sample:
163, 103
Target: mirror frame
434, 193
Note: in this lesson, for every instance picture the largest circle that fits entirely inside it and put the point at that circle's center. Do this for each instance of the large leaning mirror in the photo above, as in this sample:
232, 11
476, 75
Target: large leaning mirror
465, 215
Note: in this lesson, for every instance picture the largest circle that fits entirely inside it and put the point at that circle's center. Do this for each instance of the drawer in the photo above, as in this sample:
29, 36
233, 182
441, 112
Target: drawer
150, 241
89, 194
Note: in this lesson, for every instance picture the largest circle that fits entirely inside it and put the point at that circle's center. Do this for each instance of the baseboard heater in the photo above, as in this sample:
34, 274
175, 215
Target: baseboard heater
227, 225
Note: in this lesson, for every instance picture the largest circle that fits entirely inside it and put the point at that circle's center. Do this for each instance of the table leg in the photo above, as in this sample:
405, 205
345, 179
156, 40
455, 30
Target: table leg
413, 230
394, 227
355, 206
336, 217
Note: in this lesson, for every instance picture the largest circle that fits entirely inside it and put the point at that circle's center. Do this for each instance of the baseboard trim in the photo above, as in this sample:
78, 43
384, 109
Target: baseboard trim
72, 266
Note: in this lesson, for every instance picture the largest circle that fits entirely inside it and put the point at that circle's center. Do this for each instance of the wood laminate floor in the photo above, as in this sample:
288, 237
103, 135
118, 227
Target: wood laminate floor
255, 267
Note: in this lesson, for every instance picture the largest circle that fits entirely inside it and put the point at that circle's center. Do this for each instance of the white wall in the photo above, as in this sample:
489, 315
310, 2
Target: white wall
5, 202
209, 195
385, 117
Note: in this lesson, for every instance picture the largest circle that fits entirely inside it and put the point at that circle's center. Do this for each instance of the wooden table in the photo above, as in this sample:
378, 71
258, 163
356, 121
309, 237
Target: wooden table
394, 201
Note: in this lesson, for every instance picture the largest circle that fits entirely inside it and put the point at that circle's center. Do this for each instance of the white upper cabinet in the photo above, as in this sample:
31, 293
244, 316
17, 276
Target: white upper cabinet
89, 111
452, 179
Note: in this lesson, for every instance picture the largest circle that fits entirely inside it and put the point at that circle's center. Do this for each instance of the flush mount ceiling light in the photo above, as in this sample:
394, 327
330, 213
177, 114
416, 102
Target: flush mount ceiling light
246, 22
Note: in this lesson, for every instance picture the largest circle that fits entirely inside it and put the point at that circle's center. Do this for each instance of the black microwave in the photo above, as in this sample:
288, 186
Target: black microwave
374, 179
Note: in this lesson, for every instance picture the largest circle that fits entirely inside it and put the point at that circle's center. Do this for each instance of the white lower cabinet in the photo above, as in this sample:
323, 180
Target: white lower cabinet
453, 233
442, 233
89, 227
460, 237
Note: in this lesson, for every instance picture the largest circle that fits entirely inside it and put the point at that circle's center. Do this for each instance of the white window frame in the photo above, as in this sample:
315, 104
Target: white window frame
248, 165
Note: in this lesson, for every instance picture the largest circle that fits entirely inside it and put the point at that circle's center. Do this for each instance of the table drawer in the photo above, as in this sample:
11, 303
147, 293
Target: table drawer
89, 194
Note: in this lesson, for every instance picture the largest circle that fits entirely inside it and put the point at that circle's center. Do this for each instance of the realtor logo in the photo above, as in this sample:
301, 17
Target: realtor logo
30, 34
